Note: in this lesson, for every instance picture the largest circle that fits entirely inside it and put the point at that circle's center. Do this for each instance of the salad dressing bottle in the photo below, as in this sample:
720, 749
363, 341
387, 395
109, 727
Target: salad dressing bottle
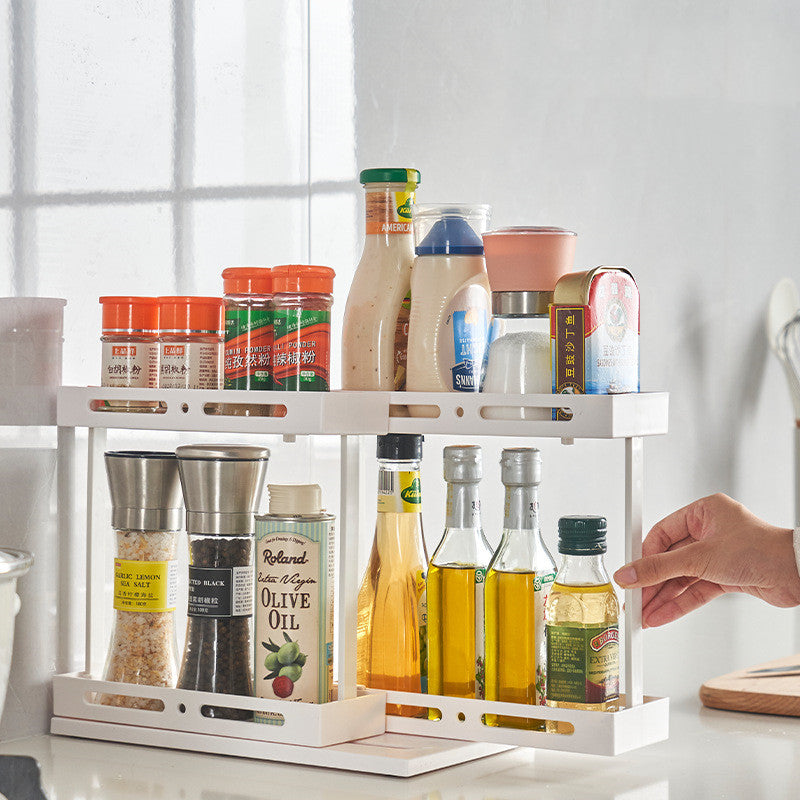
456, 578
375, 332
517, 584
392, 612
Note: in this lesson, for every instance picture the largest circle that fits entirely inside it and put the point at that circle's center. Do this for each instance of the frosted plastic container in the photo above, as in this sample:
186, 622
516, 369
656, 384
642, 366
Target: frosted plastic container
31, 339
13, 564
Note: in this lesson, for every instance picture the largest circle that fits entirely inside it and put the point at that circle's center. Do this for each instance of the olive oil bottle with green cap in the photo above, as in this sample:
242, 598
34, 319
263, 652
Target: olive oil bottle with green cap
582, 621
517, 583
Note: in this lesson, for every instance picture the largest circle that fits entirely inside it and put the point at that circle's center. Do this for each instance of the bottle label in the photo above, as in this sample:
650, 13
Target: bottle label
145, 585
542, 583
480, 635
399, 492
130, 364
582, 663
389, 212
294, 610
301, 350
220, 591
401, 343
422, 621
190, 365
248, 348
462, 346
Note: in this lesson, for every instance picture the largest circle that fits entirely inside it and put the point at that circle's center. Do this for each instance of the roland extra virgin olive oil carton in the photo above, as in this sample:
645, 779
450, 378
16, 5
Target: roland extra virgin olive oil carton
294, 598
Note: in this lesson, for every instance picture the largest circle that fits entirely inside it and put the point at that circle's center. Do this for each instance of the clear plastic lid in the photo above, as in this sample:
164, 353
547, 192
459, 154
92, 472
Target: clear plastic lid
295, 499
14, 563
449, 229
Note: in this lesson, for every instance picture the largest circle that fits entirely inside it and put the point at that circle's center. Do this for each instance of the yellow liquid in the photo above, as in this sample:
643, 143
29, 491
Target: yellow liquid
511, 644
591, 606
390, 603
451, 631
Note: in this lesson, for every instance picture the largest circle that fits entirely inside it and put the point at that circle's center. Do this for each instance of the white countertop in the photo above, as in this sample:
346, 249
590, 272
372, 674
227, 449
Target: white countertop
710, 754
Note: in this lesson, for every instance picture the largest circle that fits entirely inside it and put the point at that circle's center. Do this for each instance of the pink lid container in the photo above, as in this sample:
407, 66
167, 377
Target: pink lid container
528, 259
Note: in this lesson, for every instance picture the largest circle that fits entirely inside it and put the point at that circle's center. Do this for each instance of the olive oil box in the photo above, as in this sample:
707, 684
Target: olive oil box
594, 334
293, 637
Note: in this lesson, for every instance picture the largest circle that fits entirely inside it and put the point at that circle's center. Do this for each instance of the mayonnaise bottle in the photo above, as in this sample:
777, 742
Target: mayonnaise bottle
450, 314
375, 333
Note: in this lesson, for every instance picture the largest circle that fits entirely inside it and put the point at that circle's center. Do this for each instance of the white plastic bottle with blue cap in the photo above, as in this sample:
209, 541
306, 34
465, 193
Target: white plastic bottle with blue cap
451, 308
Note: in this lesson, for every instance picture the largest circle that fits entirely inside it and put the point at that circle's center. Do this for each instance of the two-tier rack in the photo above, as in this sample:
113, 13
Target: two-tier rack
352, 732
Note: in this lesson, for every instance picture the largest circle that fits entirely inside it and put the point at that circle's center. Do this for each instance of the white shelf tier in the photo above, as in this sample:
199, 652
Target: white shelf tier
369, 413
593, 732
387, 754
305, 724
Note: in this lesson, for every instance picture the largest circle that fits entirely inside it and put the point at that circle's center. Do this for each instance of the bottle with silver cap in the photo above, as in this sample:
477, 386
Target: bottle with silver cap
222, 488
456, 576
517, 584
146, 516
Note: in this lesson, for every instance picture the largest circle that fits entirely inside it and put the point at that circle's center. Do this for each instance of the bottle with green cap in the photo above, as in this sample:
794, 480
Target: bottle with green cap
582, 618
375, 332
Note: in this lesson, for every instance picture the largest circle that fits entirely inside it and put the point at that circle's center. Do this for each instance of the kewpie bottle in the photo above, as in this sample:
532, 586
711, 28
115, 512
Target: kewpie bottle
449, 324
375, 332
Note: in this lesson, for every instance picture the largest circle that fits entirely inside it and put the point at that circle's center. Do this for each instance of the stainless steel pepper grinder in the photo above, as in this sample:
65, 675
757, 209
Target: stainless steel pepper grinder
222, 487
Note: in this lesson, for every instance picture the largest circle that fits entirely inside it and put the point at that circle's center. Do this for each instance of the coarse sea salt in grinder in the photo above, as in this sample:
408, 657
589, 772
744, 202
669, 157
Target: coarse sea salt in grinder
147, 518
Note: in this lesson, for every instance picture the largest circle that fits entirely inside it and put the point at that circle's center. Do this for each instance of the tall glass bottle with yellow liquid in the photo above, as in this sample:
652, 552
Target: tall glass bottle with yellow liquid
456, 578
519, 578
392, 612
582, 621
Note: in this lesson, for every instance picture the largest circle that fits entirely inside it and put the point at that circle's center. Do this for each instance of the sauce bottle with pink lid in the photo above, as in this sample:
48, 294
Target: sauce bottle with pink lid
450, 310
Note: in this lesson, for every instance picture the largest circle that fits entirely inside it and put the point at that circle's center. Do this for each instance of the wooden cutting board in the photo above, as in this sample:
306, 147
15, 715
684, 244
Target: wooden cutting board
740, 691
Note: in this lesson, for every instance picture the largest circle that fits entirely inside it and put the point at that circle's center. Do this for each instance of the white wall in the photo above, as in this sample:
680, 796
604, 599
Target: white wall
144, 147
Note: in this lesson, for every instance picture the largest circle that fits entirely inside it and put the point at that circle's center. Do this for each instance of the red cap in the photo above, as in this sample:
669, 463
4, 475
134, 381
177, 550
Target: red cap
129, 315
302, 278
247, 280
192, 315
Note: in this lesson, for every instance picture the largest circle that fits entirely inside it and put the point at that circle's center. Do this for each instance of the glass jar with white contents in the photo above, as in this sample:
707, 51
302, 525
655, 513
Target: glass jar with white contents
147, 519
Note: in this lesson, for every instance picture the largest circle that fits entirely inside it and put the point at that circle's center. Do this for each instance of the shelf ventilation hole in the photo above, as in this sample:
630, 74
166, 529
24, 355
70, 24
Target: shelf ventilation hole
519, 413
423, 412
127, 406
244, 410
123, 701
528, 724
242, 714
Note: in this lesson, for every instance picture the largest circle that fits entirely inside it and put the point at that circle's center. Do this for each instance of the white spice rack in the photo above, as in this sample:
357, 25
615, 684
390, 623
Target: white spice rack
321, 734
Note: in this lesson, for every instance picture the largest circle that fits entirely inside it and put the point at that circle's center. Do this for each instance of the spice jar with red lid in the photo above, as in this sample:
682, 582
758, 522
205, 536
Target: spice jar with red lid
190, 342
302, 296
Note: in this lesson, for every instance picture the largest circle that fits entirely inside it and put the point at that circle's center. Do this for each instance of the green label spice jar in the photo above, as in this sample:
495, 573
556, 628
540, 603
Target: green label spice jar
302, 327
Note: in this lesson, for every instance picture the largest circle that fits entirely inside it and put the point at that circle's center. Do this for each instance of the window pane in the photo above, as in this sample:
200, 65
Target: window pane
85, 252
250, 108
104, 91
246, 232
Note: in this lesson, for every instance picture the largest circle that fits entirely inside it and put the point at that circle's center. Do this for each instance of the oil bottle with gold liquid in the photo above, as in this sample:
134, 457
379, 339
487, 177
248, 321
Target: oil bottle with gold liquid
582, 621
517, 583
456, 578
392, 612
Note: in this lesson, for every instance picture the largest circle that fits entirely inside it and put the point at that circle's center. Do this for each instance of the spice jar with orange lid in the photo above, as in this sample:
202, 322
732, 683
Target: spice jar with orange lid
302, 296
248, 327
190, 342
130, 348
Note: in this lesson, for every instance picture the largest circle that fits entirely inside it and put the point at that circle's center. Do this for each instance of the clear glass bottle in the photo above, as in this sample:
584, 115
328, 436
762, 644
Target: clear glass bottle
392, 612
519, 578
582, 617
455, 583
518, 358
375, 330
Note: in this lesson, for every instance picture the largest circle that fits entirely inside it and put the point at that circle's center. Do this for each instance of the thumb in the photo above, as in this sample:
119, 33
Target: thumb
655, 569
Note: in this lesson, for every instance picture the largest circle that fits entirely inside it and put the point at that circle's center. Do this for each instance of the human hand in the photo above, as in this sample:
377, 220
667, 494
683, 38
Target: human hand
709, 547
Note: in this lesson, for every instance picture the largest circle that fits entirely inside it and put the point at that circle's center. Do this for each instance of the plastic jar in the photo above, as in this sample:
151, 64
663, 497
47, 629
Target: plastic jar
301, 349
190, 342
130, 348
248, 327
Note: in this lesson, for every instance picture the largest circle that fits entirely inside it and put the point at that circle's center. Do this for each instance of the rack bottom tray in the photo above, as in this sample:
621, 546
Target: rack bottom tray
394, 754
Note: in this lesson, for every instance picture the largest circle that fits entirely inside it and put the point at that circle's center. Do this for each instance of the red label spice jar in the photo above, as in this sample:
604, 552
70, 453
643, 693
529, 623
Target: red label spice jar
248, 327
302, 295
190, 342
